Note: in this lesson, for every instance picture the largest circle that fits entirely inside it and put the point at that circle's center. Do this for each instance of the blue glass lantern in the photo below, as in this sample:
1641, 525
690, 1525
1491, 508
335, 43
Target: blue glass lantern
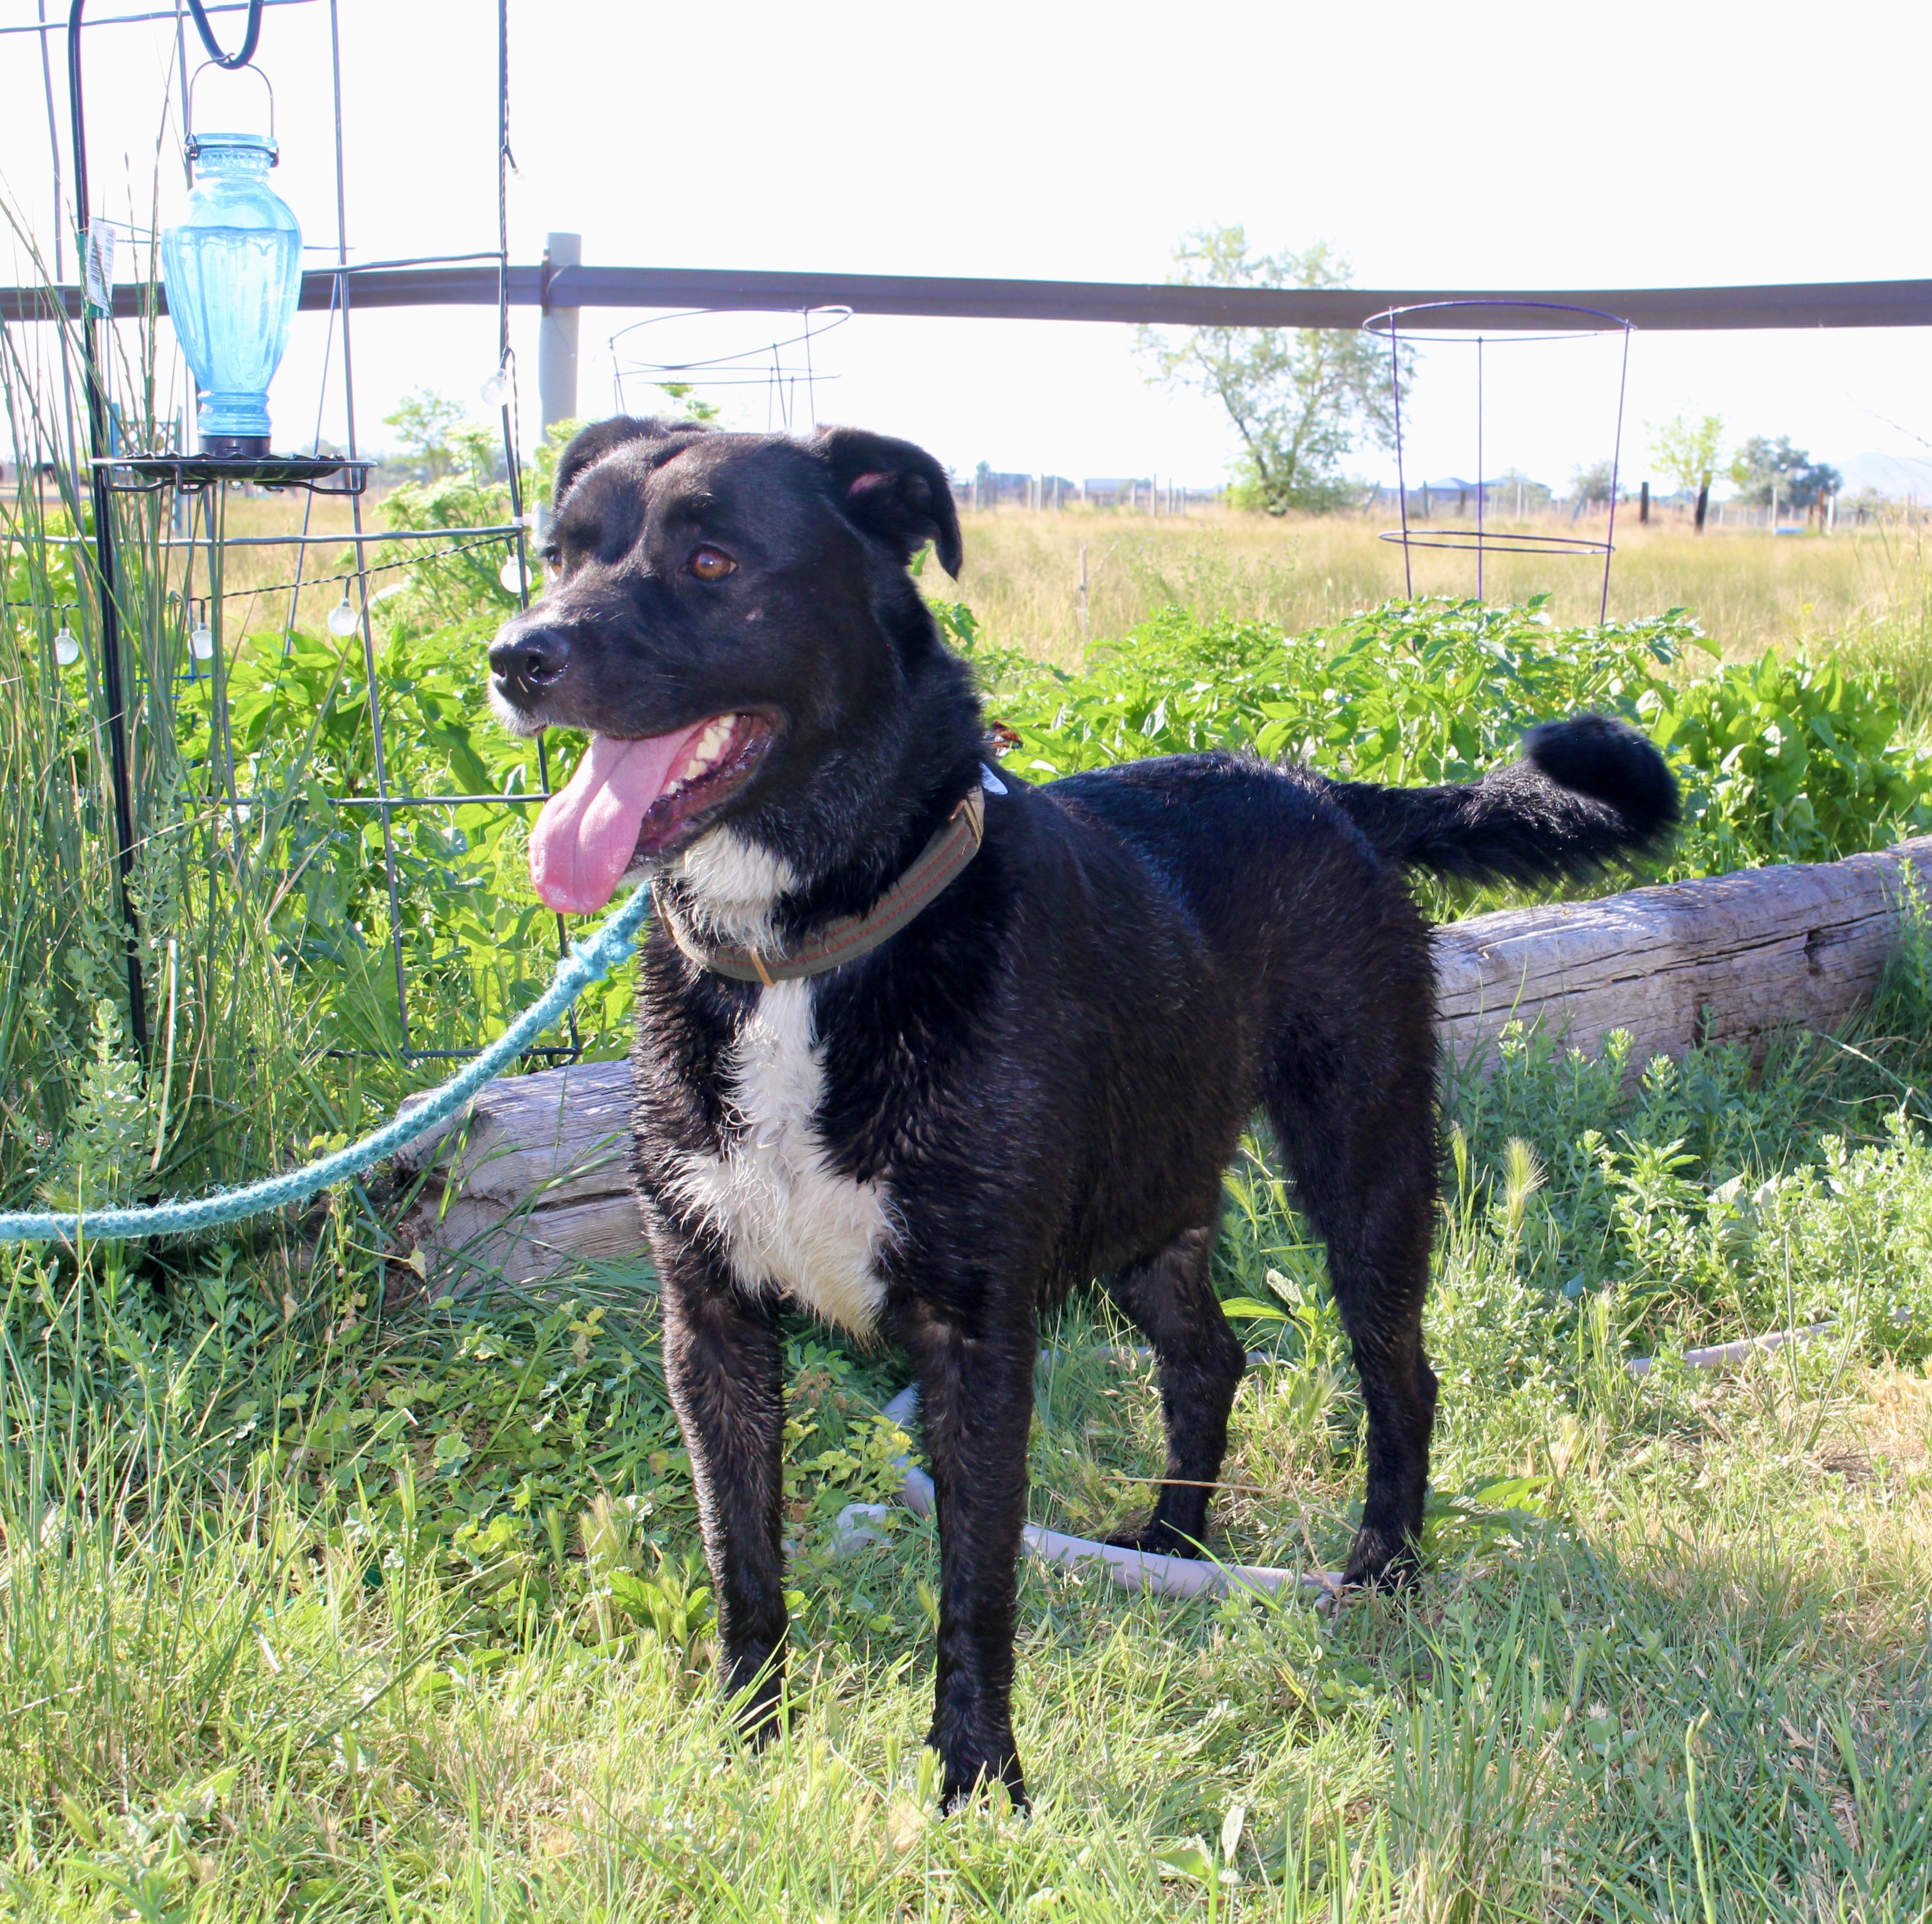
232, 269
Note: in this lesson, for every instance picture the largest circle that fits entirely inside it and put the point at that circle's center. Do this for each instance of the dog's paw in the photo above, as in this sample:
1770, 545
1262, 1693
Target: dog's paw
1156, 1540
1379, 1562
974, 1756
961, 1788
756, 1694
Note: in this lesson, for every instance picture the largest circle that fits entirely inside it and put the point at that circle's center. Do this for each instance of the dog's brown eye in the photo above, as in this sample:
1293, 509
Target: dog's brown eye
711, 565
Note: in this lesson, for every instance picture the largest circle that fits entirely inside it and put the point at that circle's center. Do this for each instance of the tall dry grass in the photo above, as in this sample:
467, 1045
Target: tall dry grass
1866, 588
1868, 592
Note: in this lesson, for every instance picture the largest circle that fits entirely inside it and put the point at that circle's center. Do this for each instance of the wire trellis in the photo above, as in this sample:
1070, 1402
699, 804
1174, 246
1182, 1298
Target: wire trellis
780, 366
204, 488
1510, 323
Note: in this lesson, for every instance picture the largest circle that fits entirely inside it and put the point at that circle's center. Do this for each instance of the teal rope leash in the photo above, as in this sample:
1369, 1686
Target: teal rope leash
588, 962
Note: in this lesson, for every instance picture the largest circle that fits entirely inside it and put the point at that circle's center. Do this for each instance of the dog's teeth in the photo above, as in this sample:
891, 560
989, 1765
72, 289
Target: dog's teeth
705, 751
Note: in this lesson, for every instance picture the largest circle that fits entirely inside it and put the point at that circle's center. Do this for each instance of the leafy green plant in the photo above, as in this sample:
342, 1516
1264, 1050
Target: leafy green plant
217, 995
1784, 760
1789, 760
104, 1151
1427, 691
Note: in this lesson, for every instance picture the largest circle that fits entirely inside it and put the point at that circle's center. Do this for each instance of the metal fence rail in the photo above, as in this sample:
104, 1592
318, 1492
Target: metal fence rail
1828, 304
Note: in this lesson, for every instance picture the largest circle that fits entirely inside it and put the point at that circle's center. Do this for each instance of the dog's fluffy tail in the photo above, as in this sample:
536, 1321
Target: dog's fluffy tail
1590, 792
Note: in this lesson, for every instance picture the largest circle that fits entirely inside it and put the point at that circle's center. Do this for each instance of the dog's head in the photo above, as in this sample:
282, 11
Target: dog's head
728, 615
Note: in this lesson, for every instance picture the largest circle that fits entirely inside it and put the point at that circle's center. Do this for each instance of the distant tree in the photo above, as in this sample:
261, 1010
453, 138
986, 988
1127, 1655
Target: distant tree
424, 422
1593, 483
681, 392
1689, 451
1300, 398
1764, 466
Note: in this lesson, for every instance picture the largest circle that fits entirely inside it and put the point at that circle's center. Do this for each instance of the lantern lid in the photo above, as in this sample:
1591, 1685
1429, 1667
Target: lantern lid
198, 143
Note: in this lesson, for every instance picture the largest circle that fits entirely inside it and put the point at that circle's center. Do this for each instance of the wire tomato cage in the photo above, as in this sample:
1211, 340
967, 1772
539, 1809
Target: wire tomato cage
200, 486
677, 352
1481, 324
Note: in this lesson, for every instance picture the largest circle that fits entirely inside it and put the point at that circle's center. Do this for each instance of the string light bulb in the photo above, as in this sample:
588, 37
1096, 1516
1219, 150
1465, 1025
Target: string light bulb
342, 619
514, 576
67, 650
201, 642
494, 390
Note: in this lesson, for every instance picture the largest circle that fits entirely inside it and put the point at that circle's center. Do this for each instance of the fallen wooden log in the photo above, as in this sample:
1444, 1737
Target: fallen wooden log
1727, 959
537, 1176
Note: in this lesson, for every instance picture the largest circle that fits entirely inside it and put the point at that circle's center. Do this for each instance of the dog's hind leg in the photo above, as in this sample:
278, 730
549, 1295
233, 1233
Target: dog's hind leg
1198, 1364
725, 1368
975, 1405
1359, 1139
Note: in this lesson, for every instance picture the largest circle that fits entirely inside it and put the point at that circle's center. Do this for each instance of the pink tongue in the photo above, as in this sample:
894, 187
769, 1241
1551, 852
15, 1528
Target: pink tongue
585, 836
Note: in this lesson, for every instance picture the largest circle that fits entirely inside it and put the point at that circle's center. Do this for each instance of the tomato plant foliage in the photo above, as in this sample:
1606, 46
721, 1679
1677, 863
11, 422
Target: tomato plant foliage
1781, 760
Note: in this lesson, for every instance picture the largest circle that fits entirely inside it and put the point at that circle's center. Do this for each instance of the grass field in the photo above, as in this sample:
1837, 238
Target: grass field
1751, 590
320, 1605
1869, 589
321, 1600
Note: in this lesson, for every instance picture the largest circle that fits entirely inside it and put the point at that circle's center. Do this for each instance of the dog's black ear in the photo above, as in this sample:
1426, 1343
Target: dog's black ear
588, 445
894, 490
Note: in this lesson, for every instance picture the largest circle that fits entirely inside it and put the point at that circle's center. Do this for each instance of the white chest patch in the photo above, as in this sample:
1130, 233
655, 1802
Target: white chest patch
787, 1219
732, 886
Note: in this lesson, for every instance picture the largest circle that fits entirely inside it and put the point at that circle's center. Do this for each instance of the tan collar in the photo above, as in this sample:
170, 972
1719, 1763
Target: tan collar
939, 863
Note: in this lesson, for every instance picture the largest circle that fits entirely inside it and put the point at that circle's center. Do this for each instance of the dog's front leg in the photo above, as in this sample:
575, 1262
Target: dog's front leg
976, 1397
724, 1366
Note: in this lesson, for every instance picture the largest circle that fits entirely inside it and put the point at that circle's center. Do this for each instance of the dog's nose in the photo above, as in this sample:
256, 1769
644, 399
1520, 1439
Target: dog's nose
537, 656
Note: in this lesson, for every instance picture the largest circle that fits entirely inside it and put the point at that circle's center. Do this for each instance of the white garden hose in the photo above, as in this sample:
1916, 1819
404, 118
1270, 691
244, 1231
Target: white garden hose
1188, 1576
1132, 1569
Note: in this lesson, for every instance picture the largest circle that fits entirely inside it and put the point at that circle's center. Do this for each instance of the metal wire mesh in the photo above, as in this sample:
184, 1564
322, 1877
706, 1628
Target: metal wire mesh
658, 356
201, 491
1479, 324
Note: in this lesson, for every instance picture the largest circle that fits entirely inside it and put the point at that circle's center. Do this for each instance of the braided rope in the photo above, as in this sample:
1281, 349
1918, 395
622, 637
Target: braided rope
588, 962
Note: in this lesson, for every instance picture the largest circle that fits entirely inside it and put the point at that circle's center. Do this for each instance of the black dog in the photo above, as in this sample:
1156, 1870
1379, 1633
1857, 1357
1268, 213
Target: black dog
1039, 1078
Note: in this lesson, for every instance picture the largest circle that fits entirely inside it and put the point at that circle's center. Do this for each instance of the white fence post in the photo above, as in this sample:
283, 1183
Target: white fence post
556, 337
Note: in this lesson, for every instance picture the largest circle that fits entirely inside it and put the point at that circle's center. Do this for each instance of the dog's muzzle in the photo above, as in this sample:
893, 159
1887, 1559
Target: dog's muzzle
526, 663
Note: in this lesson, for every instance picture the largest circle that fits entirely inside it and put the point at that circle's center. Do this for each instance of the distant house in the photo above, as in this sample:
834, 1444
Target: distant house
991, 488
1449, 496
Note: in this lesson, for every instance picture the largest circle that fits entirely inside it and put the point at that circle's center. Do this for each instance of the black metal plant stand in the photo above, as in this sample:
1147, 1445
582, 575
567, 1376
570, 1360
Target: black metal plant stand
148, 473
113, 472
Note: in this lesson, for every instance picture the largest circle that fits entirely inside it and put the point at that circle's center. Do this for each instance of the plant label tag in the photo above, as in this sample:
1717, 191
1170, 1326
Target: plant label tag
101, 267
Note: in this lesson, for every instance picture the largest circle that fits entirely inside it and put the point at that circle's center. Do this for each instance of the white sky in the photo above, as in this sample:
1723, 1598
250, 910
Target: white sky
1513, 145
